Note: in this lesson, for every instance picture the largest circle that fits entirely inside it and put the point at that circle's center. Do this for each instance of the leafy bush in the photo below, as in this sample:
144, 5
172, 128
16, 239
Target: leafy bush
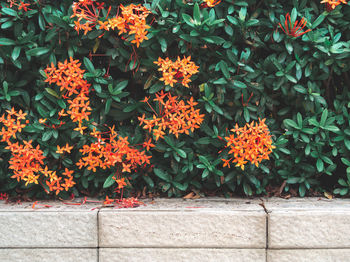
287, 62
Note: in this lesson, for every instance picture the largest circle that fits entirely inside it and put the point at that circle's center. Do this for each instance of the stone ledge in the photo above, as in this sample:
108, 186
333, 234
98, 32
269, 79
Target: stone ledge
50, 255
233, 229
48, 229
181, 255
307, 255
176, 230
308, 223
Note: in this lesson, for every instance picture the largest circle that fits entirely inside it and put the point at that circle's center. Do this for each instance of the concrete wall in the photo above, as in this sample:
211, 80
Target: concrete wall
265, 230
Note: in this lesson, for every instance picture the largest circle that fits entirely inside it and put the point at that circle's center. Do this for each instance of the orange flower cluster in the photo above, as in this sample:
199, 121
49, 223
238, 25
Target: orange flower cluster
249, 143
69, 77
107, 152
295, 30
123, 202
210, 3
174, 72
27, 161
87, 12
55, 183
132, 21
332, 4
179, 117
12, 124
21, 5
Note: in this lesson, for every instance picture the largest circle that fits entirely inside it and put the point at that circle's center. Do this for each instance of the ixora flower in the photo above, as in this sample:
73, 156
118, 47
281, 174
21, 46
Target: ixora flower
179, 71
296, 29
251, 143
176, 116
332, 4
210, 3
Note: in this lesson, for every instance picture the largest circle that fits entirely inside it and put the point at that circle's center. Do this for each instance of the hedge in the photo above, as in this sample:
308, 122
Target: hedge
174, 96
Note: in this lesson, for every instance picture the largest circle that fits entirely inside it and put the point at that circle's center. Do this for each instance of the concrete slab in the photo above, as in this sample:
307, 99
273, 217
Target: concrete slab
308, 223
48, 229
49, 255
181, 255
177, 223
307, 255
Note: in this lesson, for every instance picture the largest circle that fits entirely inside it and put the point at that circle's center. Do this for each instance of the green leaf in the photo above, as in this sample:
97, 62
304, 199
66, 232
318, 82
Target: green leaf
332, 128
319, 165
47, 135
39, 51
88, 65
109, 181
293, 180
9, 11
290, 123
345, 161
197, 14
179, 186
149, 181
342, 182
224, 69
162, 174
188, 19
6, 41
7, 24
319, 20
239, 84
214, 40
205, 173
15, 53
302, 190
108, 105
52, 92
324, 117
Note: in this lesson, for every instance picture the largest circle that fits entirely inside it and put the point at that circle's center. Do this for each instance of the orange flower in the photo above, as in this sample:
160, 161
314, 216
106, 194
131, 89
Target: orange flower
177, 116
121, 183
210, 3
70, 78
148, 144
251, 143
110, 151
332, 4
26, 160
173, 72
132, 21
295, 30
66, 148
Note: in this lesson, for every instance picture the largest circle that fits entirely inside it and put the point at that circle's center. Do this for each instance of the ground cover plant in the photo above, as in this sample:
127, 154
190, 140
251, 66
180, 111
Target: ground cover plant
112, 98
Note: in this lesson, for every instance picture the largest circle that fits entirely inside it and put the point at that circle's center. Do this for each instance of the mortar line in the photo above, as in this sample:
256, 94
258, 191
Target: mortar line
98, 236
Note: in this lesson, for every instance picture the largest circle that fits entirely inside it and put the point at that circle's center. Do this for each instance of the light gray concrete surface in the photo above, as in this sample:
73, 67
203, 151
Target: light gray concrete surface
309, 255
308, 223
234, 229
48, 229
181, 255
309, 229
210, 229
49, 255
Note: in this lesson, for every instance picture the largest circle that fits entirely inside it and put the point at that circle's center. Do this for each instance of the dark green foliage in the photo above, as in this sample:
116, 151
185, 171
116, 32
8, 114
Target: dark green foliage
249, 69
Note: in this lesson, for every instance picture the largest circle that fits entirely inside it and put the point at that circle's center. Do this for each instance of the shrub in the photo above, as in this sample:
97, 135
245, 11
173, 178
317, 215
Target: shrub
98, 97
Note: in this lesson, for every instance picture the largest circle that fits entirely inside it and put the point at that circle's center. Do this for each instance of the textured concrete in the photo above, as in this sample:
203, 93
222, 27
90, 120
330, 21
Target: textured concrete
214, 229
48, 229
179, 255
307, 255
308, 223
48, 255
183, 229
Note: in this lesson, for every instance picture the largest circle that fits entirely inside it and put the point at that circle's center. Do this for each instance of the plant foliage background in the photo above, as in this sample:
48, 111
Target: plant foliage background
249, 68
